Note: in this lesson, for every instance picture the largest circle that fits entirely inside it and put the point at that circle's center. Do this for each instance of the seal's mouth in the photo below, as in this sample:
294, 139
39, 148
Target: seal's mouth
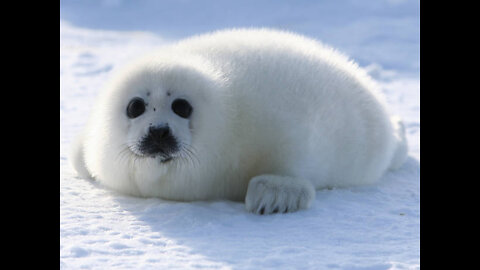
184, 153
160, 155
166, 159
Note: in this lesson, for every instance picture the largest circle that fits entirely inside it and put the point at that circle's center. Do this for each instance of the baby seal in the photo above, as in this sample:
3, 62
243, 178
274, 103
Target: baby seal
257, 115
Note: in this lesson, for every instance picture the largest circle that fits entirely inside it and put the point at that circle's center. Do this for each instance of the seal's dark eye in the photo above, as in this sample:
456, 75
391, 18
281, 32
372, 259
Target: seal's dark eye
135, 107
182, 108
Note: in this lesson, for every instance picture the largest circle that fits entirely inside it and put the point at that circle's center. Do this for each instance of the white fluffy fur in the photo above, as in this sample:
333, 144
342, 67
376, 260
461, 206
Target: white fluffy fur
275, 116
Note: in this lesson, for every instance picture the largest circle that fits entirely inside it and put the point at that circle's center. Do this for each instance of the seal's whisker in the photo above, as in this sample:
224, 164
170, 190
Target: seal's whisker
123, 153
188, 154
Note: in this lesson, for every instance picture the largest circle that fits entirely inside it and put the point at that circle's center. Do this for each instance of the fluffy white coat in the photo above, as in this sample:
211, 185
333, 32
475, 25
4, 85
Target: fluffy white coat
275, 116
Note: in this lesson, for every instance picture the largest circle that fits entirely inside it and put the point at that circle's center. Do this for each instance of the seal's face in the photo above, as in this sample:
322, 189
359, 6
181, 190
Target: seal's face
158, 140
159, 122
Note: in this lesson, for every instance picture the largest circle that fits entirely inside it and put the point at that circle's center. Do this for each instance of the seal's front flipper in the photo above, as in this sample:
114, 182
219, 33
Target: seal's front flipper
268, 194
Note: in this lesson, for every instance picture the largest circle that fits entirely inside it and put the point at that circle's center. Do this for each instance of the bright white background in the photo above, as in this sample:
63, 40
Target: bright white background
375, 227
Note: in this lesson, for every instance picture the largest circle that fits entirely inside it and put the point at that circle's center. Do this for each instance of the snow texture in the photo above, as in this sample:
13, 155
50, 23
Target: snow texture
374, 227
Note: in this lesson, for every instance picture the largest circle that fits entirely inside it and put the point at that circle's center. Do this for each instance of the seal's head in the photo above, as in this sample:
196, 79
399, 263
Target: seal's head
159, 124
160, 121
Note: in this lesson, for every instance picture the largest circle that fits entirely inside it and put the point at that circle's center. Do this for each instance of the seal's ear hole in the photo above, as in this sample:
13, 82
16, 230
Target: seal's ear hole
182, 108
135, 107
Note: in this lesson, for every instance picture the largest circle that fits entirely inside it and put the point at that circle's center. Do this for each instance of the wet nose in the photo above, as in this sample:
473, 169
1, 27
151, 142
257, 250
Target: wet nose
159, 133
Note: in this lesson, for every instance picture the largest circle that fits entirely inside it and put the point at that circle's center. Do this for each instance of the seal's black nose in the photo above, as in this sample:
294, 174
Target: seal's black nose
159, 133
158, 141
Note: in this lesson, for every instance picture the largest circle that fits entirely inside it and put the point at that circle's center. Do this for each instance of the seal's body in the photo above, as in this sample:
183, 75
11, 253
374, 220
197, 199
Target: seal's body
256, 115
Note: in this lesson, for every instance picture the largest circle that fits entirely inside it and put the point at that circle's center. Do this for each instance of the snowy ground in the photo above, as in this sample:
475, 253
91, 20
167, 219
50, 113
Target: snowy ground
375, 227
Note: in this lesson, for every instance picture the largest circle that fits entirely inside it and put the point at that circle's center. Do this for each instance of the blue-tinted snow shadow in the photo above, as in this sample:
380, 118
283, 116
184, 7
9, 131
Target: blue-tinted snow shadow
369, 224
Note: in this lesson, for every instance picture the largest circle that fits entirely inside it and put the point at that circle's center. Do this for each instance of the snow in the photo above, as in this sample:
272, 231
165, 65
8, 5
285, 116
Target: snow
373, 227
